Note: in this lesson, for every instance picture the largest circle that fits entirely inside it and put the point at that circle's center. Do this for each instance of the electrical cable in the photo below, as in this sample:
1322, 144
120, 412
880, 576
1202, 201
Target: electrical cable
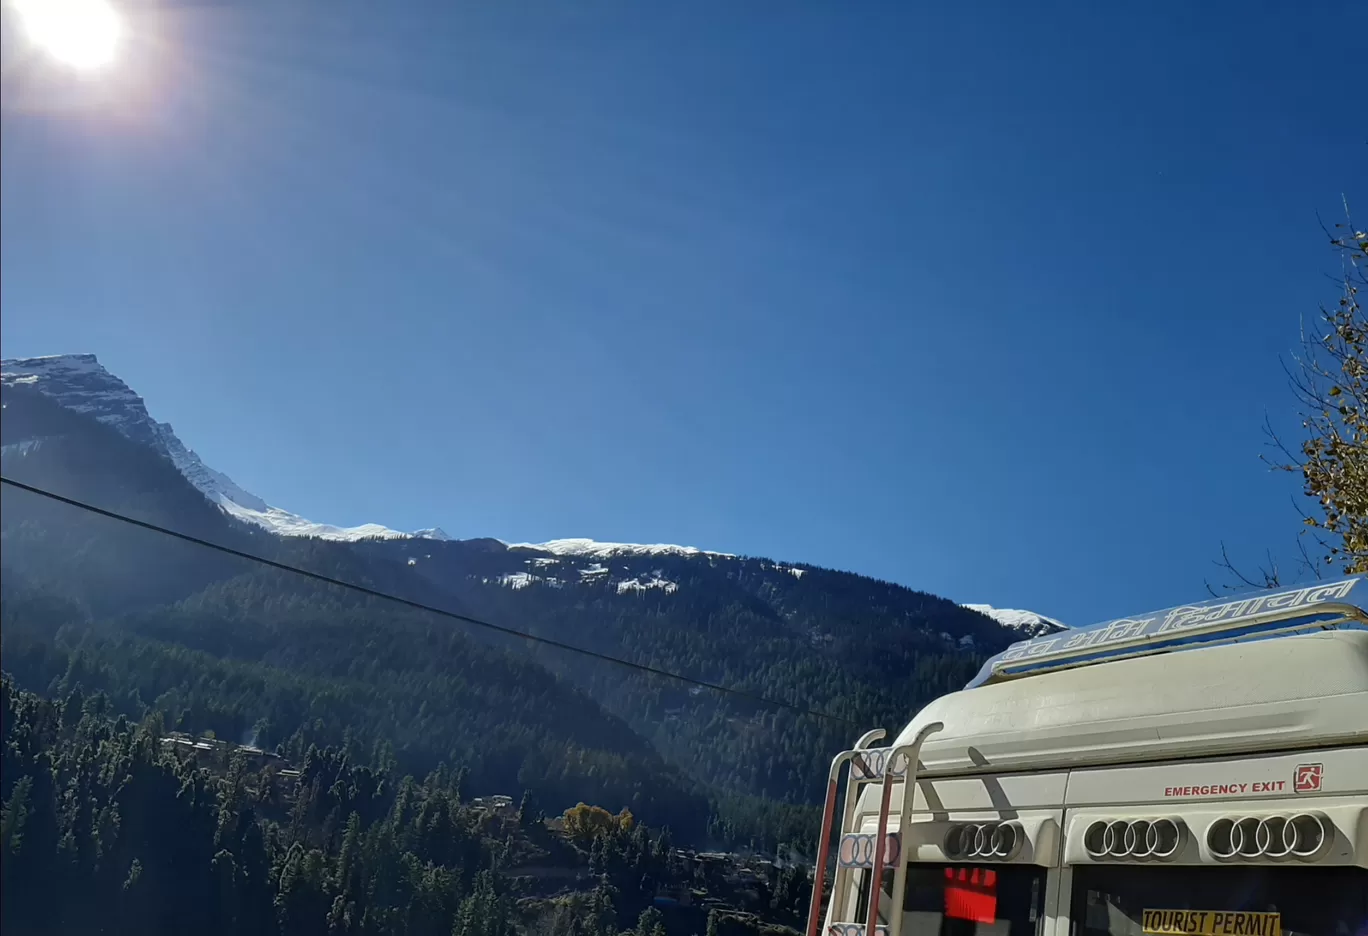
418, 605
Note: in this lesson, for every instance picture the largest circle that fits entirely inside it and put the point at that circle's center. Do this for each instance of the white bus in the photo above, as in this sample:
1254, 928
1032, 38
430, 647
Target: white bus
1198, 771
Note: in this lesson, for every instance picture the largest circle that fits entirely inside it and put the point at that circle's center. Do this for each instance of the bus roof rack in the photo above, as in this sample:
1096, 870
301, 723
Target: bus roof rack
1321, 606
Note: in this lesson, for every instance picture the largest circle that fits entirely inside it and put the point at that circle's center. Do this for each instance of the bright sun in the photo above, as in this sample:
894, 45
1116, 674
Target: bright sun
84, 34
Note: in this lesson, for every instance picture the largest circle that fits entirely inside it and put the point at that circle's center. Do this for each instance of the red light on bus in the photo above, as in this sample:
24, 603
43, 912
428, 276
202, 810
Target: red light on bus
971, 894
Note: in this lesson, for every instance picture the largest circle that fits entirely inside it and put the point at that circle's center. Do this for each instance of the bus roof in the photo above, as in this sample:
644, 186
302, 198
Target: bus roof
1269, 613
1308, 690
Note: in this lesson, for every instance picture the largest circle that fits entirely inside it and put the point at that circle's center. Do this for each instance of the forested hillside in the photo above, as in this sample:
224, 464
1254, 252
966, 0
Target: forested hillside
106, 830
216, 643
801, 646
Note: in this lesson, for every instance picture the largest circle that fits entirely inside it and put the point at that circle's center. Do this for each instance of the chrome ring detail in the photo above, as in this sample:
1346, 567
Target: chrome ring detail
1134, 838
1305, 836
1000, 841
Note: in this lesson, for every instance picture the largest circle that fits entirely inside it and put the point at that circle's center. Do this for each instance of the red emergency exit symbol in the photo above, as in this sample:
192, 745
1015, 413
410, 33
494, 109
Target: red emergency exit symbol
1307, 778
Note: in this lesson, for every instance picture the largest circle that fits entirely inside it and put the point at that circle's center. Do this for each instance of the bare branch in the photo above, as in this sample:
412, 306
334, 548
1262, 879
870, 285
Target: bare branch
1328, 377
1268, 575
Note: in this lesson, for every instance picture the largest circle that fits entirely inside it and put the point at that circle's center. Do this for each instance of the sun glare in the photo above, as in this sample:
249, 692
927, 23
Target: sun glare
84, 34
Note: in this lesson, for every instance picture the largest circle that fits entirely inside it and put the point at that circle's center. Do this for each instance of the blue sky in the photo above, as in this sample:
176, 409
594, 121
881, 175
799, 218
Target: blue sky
985, 299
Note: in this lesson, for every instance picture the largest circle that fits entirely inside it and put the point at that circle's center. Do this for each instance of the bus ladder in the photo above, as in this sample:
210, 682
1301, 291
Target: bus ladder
857, 850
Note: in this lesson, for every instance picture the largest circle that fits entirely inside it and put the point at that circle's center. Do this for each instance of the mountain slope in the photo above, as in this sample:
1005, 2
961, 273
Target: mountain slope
1026, 623
866, 651
215, 642
80, 383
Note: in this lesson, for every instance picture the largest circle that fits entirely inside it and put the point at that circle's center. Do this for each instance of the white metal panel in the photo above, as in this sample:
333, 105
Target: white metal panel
1270, 777
1060, 890
1290, 692
926, 836
1005, 792
1347, 815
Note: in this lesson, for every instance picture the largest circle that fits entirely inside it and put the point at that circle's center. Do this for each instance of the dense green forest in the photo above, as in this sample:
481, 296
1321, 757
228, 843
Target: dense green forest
104, 830
214, 643
419, 694
878, 676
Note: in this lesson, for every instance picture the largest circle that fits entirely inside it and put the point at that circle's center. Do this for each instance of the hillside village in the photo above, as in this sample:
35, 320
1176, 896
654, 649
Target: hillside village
559, 860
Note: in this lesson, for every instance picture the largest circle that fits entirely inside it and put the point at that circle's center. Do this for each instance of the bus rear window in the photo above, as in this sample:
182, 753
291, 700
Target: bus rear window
967, 900
1286, 901
963, 900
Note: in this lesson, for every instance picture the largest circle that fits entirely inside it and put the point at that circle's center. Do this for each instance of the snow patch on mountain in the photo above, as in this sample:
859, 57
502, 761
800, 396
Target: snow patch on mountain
597, 550
432, 533
1025, 622
21, 448
637, 585
80, 383
284, 523
215, 485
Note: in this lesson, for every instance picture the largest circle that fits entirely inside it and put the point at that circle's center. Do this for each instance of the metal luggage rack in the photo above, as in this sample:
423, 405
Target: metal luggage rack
858, 850
1282, 613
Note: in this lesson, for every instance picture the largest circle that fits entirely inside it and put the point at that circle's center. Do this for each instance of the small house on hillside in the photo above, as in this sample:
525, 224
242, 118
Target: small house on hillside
496, 805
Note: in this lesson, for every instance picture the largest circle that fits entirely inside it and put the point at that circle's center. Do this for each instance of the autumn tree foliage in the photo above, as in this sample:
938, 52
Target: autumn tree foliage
1330, 378
584, 823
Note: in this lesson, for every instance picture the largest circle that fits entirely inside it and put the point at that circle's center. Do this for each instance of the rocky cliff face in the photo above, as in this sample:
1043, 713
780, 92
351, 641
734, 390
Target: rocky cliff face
80, 383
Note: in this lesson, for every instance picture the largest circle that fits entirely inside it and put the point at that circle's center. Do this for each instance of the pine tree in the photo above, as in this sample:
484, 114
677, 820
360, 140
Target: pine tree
650, 923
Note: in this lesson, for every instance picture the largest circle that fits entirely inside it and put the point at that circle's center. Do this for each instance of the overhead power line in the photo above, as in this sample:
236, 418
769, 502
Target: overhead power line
418, 605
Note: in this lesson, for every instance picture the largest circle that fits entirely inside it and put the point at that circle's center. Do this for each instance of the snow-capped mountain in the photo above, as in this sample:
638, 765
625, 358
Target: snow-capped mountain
1027, 623
588, 547
80, 383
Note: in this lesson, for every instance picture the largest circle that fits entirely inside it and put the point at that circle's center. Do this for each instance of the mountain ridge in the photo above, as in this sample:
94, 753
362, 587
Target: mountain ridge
80, 383
1029, 623
219, 644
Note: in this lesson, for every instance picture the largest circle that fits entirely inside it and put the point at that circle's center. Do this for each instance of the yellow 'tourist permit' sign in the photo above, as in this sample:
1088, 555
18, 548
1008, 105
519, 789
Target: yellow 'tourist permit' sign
1211, 923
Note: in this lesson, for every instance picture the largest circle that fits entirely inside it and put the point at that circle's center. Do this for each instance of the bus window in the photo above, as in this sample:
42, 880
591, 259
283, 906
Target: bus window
963, 900
968, 900
1113, 900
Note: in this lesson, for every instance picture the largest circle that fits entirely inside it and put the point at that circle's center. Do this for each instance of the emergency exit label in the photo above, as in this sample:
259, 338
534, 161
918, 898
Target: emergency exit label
1211, 923
1227, 789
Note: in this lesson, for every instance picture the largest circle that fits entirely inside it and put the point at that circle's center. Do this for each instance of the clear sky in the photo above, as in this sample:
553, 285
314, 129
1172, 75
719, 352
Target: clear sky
986, 299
